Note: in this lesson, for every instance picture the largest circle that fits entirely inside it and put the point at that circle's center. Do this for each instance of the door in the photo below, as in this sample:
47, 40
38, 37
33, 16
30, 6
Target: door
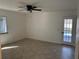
69, 32
0, 51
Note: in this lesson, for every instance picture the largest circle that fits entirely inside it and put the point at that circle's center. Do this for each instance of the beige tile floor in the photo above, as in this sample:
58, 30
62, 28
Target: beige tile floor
34, 49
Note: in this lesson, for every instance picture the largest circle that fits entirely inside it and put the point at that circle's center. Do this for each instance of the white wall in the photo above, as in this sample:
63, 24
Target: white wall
77, 35
16, 26
46, 26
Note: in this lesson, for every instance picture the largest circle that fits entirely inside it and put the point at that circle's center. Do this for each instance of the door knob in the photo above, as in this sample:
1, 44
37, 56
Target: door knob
62, 32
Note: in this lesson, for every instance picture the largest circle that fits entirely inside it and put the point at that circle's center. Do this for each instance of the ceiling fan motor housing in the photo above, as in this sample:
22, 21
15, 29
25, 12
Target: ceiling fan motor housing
29, 7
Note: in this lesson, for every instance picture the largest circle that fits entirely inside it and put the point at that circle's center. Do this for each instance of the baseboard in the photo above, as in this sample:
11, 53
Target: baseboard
52, 42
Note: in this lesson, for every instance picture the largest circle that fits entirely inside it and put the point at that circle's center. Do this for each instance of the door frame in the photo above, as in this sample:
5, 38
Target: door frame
74, 18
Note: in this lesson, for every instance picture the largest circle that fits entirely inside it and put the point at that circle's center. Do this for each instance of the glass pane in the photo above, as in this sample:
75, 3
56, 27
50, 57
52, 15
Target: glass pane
3, 25
67, 30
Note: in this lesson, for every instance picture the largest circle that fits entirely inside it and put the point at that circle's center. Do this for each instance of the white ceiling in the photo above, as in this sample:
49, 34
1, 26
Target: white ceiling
50, 5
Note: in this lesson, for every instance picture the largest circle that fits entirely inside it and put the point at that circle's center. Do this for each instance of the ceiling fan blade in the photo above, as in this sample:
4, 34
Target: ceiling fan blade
21, 9
37, 9
34, 7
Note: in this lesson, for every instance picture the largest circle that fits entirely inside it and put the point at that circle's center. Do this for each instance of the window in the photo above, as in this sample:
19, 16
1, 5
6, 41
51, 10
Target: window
3, 25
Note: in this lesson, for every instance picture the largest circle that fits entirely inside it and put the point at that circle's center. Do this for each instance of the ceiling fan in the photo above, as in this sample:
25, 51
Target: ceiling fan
29, 7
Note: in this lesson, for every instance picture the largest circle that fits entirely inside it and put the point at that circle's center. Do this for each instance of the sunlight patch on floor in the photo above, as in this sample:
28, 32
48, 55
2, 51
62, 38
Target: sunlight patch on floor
9, 47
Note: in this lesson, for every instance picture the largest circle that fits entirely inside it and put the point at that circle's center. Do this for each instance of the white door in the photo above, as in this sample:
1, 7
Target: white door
69, 32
